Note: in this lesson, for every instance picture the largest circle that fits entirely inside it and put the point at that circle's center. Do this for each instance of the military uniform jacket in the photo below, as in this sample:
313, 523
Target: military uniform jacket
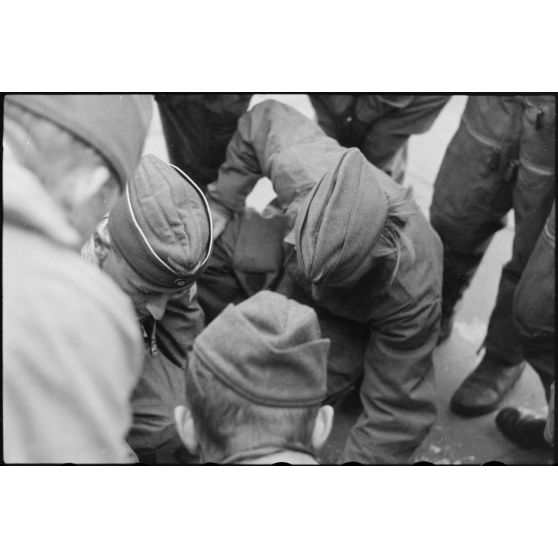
167, 342
393, 325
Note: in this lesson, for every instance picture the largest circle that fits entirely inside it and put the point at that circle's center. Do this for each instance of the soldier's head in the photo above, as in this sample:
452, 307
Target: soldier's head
157, 239
348, 223
257, 379
83, 148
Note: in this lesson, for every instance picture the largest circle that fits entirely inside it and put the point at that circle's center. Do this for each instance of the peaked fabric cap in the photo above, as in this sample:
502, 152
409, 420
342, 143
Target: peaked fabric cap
268, 349
340, 220
162, 225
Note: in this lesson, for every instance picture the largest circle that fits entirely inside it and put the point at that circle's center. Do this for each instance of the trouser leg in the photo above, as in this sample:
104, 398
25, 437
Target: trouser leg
385, 143
534, 305
473, 189
197, 130
533, 196
484, 389
334, 114
379, 125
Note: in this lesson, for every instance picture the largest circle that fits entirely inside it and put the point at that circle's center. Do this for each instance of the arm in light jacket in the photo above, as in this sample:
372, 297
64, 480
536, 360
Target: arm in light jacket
276, 141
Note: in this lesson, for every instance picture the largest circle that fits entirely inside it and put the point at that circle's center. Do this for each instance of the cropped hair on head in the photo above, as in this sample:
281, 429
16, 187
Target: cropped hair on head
393, 240
227, 423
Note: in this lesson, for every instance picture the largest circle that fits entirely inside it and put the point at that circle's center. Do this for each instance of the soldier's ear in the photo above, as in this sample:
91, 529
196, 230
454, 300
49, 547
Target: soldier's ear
102, 249
185, 428
322, 426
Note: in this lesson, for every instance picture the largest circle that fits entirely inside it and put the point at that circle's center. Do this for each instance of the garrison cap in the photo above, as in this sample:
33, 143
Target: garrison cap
114, 125
268, 349
162, 225
340, 220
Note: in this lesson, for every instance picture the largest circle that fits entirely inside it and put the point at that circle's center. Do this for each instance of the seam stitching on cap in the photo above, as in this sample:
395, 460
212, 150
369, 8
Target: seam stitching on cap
144, 237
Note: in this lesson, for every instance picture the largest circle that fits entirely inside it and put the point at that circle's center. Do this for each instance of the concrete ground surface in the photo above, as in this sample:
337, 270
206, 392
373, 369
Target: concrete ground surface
453, 439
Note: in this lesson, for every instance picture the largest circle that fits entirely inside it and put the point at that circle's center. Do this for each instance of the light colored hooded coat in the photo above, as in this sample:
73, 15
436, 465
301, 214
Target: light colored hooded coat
72, 346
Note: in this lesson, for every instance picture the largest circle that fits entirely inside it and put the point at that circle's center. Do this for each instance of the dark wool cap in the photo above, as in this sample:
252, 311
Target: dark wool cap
268, 349
340, 220
162, 225
114, 125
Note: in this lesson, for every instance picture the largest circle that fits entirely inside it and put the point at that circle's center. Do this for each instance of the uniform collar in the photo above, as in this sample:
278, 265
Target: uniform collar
272, 454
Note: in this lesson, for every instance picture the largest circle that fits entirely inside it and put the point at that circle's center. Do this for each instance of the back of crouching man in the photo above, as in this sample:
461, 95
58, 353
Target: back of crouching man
255, 385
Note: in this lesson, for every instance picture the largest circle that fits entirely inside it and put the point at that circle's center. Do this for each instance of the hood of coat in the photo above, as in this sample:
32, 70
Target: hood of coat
28, 205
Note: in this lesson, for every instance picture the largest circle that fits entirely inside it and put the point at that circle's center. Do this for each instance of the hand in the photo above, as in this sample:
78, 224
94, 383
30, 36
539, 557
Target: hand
220, 216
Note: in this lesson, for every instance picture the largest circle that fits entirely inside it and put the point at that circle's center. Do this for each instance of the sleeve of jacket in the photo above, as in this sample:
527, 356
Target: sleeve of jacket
276, 141
398, 390
398, 386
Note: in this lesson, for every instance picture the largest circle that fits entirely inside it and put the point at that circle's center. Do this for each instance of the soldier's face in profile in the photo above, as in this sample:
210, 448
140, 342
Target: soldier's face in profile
149, 300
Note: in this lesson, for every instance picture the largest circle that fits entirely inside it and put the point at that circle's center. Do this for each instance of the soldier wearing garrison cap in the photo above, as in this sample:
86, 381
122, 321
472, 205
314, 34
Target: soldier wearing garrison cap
155, 244
72, 350
256, 383
345, 239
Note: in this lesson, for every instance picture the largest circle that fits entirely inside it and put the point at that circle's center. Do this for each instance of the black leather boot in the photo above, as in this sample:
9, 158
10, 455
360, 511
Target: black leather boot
523, 427
485, 388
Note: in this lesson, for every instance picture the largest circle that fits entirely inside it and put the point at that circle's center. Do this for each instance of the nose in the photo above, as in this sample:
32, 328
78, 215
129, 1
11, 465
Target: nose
156, 305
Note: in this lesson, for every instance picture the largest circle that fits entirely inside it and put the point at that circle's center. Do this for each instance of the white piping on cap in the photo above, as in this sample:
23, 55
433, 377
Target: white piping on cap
208, 211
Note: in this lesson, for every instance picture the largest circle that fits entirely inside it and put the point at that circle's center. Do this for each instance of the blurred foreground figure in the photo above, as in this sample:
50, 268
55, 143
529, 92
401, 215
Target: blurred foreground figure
534, 313
256, 382
155, 244
501, 157
198, 128
71, 344
345, 239
379, 125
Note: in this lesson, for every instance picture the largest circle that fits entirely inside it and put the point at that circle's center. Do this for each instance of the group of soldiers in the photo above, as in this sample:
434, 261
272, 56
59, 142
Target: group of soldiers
151, 316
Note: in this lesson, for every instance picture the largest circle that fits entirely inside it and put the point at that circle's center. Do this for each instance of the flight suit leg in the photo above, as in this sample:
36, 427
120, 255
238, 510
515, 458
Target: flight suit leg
473, 189
534, 305
533, 195
379, 125
198, 129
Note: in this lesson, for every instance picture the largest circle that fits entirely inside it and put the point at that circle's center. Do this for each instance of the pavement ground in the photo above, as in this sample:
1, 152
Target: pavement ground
453, 439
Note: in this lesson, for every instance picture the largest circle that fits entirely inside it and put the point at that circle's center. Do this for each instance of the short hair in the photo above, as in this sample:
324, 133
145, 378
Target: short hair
58, 146
227, 423
392, 240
